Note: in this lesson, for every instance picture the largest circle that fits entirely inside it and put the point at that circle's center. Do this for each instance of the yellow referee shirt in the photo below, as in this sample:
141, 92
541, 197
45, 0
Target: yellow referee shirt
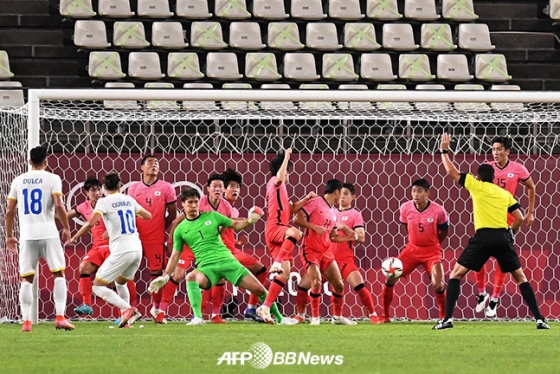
491, 203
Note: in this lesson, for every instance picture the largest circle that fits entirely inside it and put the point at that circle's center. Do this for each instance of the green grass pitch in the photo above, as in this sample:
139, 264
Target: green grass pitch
398, 347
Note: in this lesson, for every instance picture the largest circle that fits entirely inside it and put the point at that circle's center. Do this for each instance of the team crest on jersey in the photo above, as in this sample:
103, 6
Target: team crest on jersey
510, 175
430, 220
208, 223
157, 193
345, 218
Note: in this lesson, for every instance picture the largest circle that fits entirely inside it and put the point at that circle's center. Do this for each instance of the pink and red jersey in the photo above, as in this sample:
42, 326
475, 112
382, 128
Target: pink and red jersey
509, 178
153, 198
277, 204
423, 226
319, 213
225, 209
86, 210
344, 251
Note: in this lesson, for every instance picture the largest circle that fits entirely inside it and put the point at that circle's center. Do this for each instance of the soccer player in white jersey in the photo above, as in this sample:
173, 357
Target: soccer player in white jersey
119, 213
38, 197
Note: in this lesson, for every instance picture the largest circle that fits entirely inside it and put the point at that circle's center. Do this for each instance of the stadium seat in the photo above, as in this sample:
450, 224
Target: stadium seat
245, 35
183, 66
491, 68
161, 104
10, 95
269, 9
222, 66
207, 35
315, 105
384, 10
120, 104
398, 37
458, 10
76, 9
322, 36
261, 66
130, 35
555, 9
388, 105
284, 36
238, 105
231, 9
437, 37
168, 35
276, 105
144, 65
339, 67
376, 67
199, 105
345, 10
420, 10
354, 105
470, 107
300, 67
307, 9
453, 67
105, 66
475, 37
431, 106
115, 9
360, 37
415, 67
154, 9
90, 35
507, 107
192, 9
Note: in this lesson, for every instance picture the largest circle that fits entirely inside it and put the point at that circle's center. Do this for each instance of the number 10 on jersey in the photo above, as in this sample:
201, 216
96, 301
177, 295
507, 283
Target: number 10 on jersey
128, 222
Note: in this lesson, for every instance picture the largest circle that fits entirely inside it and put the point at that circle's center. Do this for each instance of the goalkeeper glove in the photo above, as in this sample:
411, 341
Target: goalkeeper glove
158, 283
255, 214
275, 269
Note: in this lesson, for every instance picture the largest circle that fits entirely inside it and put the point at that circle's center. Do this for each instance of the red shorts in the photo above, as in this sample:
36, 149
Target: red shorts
156, 256
412, 257
320, 258
275, 236
346, 268
245, 259
97, 255
186, 259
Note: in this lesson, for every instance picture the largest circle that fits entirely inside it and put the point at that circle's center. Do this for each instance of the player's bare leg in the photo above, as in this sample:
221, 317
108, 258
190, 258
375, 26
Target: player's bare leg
86, 269
156, 296
356, 281
259, 271
332, 273
439, 286
314, 275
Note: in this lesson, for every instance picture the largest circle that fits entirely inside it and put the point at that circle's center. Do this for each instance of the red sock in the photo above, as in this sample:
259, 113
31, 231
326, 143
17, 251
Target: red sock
302, 300
218, 292
440, 301
132, 291
480, 277
387, 296
254, 300
499, 280
156, 296
167, 294
287, 247
206, 299
85, 288
337, 301
365, 298
274, 290
315, 301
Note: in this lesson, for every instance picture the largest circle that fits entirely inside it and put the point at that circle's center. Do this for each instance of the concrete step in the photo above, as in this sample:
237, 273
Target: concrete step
25, 6
531, 70
522, 40
31, 37
507, 10
44, 67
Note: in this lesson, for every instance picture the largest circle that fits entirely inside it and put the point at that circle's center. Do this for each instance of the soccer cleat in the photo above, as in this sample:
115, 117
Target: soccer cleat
299, 318
154, 313
541, 325
251, 313
117, 321
26, 327
444, 324
129, 316
491, 309
264, 313
481, 300
378, 320
84, 310
64, 324
288, 321
315, 321
160, 318
340, 320
217, 320
196, 321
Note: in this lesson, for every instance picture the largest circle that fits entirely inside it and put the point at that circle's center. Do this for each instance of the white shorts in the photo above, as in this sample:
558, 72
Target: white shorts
119, 264
31, 251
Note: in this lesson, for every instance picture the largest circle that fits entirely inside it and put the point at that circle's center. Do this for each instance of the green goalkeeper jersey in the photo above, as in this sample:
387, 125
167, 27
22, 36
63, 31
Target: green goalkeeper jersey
202, 236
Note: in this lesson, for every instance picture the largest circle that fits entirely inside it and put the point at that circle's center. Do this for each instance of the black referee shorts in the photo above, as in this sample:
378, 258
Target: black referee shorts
486, 243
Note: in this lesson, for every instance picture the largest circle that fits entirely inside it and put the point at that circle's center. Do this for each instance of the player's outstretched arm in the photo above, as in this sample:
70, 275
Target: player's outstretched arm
301, 220
11, 240
255, 213
349, 234
294, 208
96, 216
144, 214
283, 171
447, 164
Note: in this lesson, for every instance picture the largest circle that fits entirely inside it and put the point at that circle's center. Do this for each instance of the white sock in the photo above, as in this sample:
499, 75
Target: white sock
26, 299
122, 289
110, 296
302, 315
59, 295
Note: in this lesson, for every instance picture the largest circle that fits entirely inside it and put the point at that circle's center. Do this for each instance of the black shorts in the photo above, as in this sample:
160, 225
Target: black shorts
486, 243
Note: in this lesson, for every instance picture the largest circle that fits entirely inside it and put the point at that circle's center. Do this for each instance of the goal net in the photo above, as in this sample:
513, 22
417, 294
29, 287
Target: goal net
380, 141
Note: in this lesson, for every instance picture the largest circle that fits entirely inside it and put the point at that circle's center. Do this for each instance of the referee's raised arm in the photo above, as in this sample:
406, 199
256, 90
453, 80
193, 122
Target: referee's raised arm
444, 150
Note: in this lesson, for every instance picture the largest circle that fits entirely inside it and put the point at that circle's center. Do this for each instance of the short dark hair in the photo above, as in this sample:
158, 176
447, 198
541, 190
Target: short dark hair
38, 155
333, 185
422, 183
231, 175
112, 181
350, 187
276, 163
91, 182
505, 141
143, 161
189, 192
486, 173
214, 177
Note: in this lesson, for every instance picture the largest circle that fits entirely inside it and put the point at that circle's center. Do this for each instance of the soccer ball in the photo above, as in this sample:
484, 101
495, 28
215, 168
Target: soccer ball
392, 268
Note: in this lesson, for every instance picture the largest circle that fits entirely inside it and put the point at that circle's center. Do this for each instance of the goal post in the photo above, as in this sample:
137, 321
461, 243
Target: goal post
379, 140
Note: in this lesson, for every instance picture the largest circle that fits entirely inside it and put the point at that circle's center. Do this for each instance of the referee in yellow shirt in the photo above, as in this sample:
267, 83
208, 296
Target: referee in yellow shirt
493, 238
